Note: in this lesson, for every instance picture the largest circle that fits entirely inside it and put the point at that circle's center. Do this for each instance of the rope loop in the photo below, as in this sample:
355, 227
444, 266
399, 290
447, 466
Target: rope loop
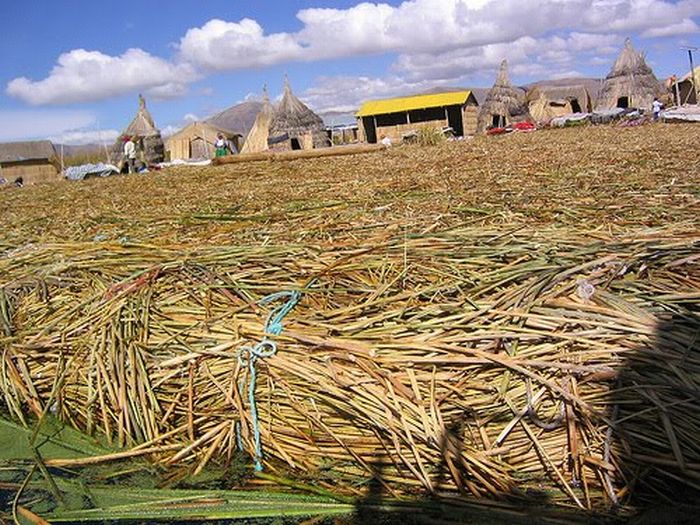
249, 355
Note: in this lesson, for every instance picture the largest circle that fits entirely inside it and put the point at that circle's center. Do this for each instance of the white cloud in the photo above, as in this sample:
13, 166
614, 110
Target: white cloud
527, 56
220, 45
435, 39
190, 117
345, 94
683, 27
82, 76
80, 137
428, 27
40, 124
169, 130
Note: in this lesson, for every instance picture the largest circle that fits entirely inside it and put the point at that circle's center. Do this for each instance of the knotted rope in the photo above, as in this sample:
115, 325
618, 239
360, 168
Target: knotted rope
249, 355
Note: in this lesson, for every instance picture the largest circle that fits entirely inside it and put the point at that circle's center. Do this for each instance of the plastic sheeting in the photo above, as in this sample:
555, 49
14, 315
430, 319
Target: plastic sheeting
560, 122
90, 170
681, 114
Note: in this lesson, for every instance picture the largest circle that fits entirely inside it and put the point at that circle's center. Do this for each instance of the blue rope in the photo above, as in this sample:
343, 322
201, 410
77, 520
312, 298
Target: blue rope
265, 348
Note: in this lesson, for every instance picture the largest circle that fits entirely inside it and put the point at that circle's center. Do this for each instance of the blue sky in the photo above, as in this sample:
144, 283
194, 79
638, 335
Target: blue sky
71, 70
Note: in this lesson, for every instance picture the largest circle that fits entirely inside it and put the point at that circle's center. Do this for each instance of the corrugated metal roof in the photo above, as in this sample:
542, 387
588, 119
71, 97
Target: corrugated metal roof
401, 104
30, 150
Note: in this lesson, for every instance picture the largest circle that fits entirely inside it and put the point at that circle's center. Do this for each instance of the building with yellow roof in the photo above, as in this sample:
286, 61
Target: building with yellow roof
396, 117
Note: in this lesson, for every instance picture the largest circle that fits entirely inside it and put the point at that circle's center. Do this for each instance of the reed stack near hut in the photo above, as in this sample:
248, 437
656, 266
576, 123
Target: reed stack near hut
631, 83
144, 130
257, 139
504, 104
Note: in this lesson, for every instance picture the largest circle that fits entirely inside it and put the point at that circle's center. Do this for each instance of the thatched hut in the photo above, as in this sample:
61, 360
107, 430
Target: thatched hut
395, 117
295, 126
143, 129
31, 162
546, 102
256, 141
630, 84
197, 141
504, 105
685, 91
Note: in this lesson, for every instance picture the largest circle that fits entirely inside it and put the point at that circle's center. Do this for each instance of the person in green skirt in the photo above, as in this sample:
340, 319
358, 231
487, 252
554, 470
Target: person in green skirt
221, 145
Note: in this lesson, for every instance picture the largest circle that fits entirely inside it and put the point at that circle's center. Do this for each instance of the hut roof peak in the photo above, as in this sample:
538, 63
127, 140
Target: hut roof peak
630, 61
143, 123
503, 78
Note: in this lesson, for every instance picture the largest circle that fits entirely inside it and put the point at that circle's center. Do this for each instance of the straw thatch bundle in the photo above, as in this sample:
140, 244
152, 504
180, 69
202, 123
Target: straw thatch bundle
256, 141
504, 104
492, 363
630, 83
144, 130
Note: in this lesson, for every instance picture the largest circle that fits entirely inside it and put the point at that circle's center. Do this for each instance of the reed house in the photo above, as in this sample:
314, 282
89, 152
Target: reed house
396, 117
33, 162
289, 125
504, 105
197, 141
631, 83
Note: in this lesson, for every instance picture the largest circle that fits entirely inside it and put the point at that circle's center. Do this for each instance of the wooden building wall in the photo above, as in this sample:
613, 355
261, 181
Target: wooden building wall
31, 172
396, 133
470, 114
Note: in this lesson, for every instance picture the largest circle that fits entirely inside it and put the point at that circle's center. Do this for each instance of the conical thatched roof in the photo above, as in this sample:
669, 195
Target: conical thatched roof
256, 141
293, 117
503, 100
149, 141
632, 78
143, 124
278, 125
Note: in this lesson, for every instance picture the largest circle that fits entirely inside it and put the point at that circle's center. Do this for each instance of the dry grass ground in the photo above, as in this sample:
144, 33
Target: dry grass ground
506, 317
575, 178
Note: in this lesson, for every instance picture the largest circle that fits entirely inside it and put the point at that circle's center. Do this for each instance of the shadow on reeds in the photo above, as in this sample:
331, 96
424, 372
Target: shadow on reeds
655, 411
381, 508
656, 415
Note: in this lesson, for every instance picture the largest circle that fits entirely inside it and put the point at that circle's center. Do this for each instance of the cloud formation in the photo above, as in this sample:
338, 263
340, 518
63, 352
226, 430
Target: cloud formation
61, 126
433, 39
86, 76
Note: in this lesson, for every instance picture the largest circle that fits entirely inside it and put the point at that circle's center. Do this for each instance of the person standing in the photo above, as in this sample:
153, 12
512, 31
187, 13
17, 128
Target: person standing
130, 153
221, 145
656, 108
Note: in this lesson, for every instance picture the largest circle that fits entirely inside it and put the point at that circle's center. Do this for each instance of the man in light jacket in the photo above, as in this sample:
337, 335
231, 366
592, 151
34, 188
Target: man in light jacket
130, 153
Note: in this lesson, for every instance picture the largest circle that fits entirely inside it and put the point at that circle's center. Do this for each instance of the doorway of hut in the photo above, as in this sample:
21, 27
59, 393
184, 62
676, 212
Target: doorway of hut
575, 106
295, 144
198, 149
370, 130
454, 120
623, 102
498, 121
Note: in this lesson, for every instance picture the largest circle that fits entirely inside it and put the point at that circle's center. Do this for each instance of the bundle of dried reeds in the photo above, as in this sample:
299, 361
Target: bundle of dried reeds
489, 362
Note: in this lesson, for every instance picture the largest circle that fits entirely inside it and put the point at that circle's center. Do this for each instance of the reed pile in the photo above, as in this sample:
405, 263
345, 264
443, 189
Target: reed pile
515, 317
488, 362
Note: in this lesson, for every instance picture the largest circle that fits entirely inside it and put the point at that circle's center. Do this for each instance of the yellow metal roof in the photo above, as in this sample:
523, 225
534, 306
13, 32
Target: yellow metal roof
401, 104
